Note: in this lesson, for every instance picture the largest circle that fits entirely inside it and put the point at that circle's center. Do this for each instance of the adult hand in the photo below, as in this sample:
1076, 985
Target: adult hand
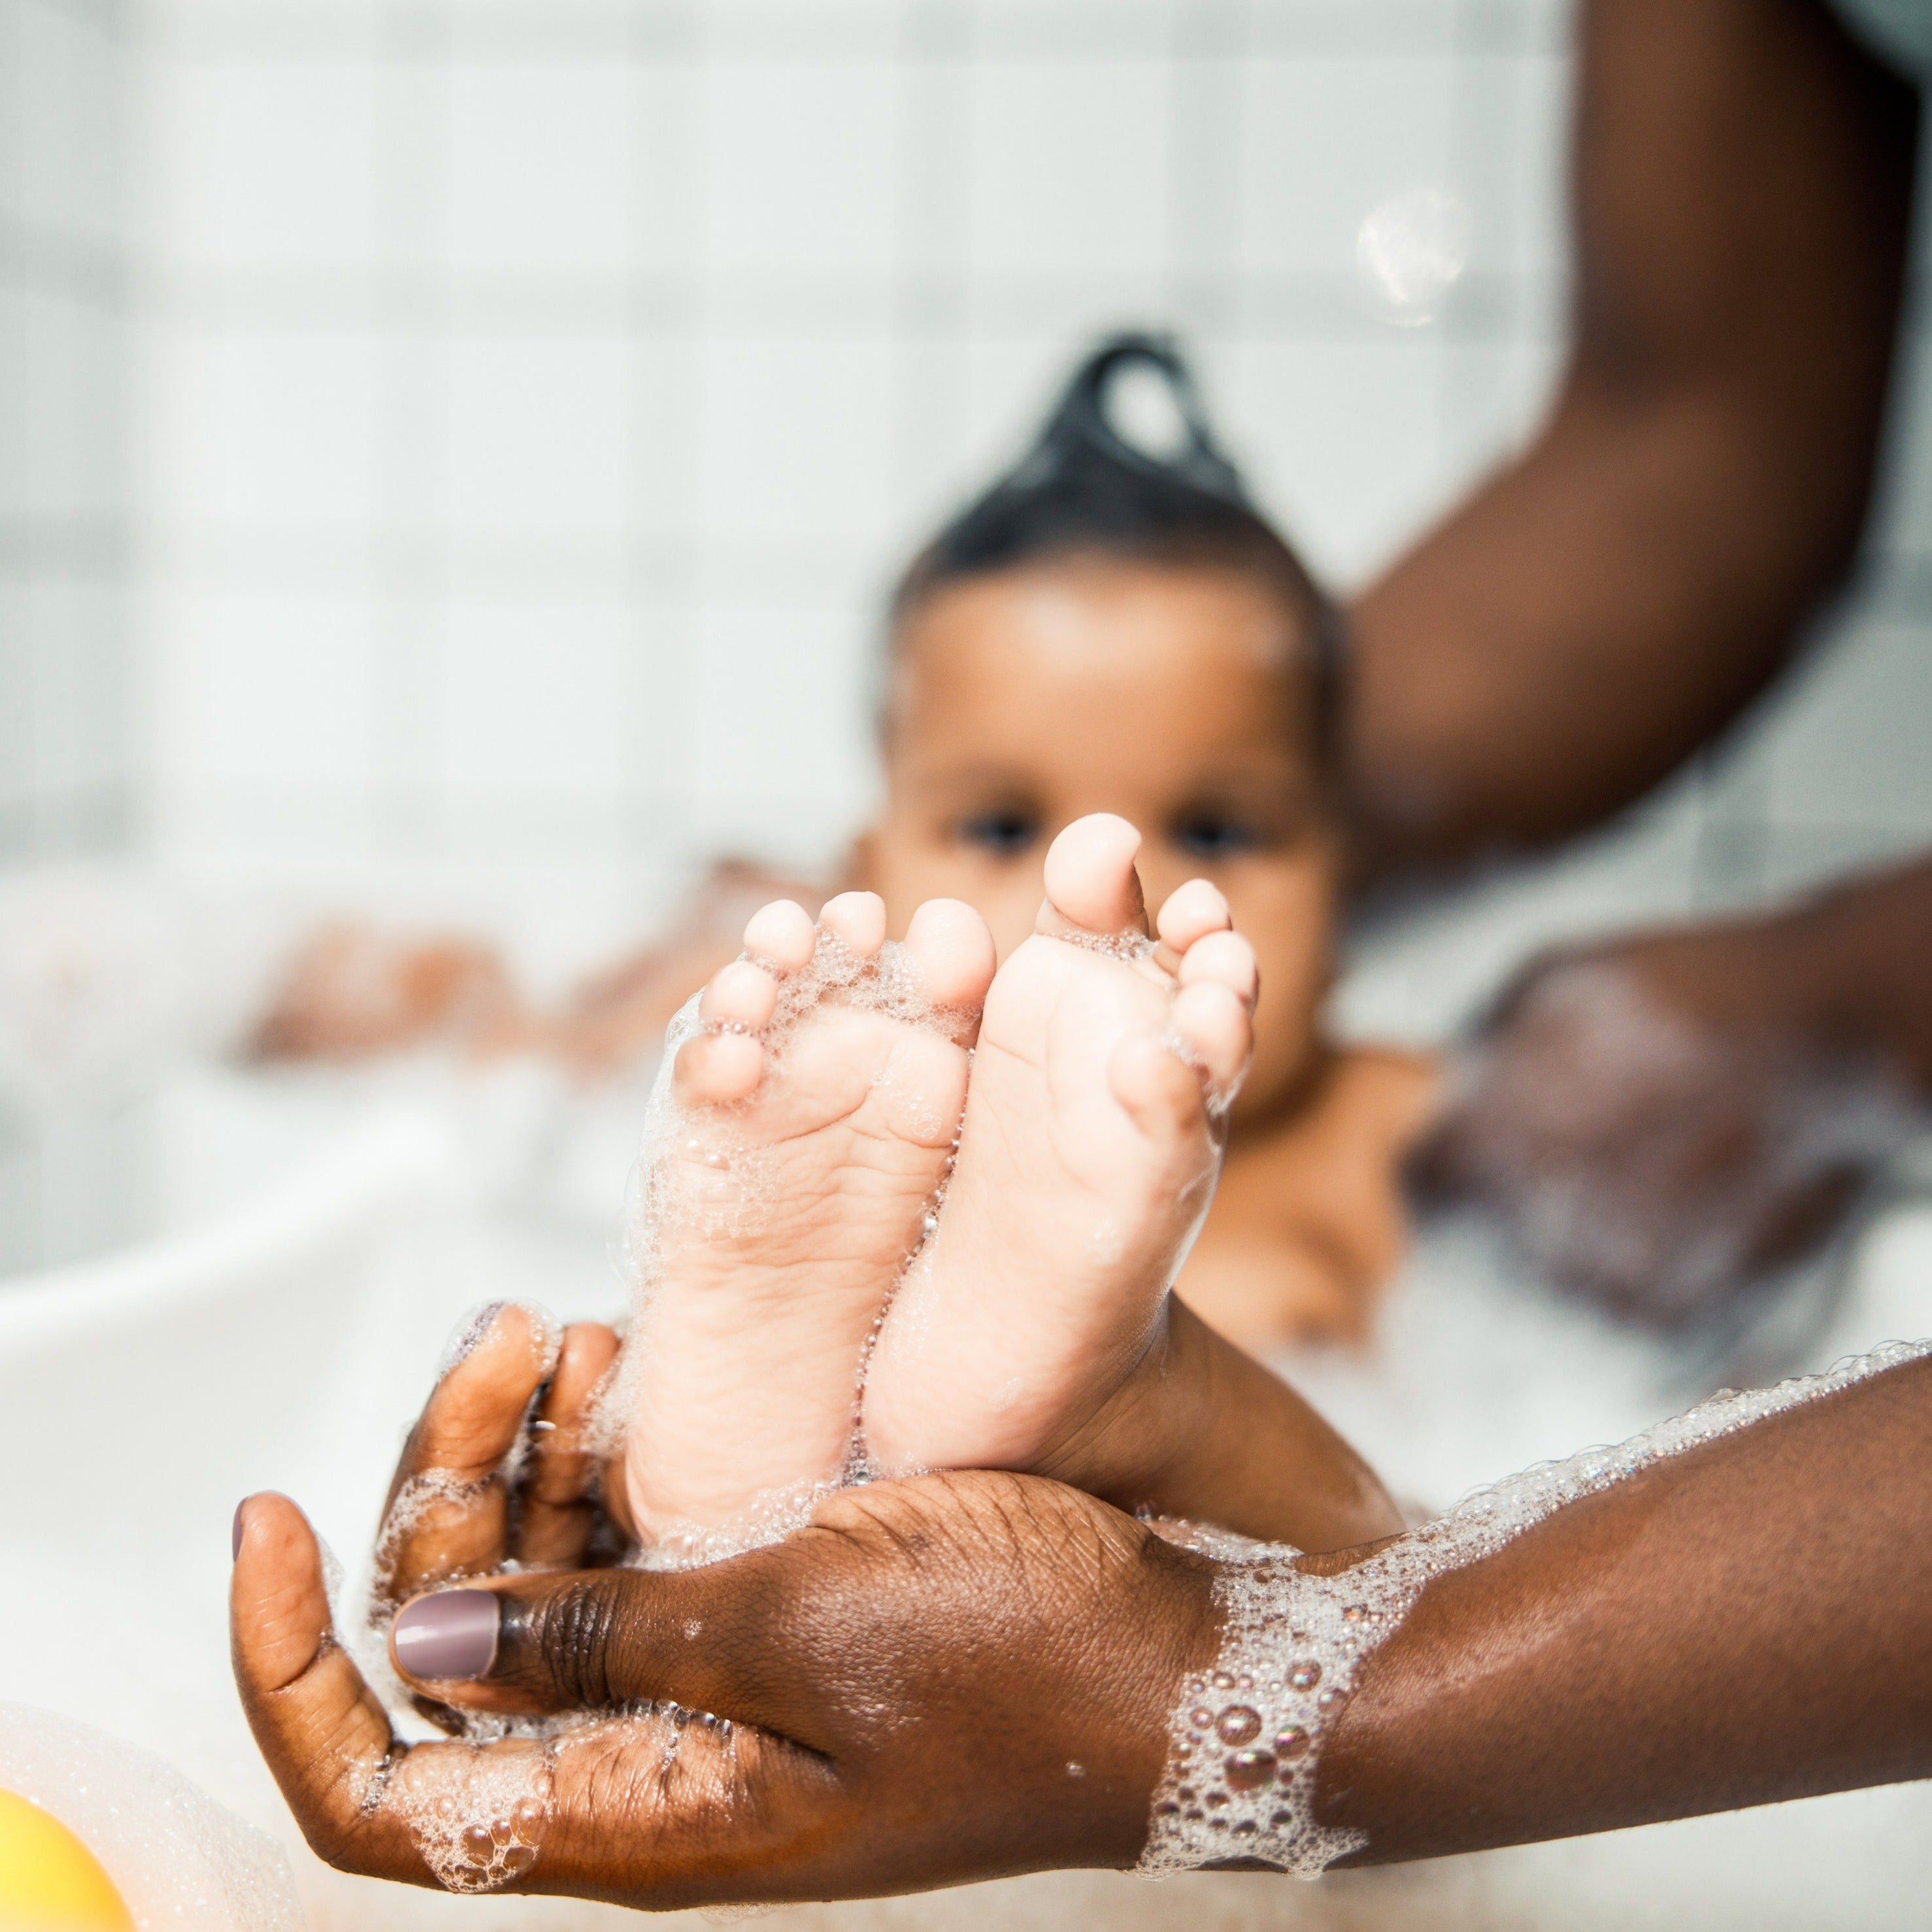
939, 1680
1663, 1122
943, 1679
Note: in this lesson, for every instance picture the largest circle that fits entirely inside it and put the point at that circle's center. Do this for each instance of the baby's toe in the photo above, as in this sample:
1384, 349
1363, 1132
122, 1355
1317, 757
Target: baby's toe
1223, 959
951, 949
858, 920
1212, 1023
782, 933
742, 994
1090, 880
1192, 911
714, 1069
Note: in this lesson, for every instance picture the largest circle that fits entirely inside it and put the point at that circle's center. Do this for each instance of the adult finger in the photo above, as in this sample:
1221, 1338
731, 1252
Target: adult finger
718, 1639
890, 1583
448, 1512
324, 1735
556, 1516
654, 1809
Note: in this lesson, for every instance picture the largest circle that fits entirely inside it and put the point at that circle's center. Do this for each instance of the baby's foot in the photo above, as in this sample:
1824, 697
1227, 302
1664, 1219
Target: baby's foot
1087, 1157
792, 1160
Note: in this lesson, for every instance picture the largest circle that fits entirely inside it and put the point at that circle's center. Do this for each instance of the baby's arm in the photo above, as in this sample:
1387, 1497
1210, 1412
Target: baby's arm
1309, 1222
353, 993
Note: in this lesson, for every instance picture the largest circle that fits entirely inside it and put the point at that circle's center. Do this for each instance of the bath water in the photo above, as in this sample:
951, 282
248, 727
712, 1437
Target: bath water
177, 1858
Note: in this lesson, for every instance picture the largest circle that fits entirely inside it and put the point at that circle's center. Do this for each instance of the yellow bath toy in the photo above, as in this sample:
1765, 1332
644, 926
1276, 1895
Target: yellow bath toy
49, 1881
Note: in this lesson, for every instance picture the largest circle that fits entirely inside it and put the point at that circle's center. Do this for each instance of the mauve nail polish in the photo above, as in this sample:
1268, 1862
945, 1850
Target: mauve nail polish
449, 1635
235, 1530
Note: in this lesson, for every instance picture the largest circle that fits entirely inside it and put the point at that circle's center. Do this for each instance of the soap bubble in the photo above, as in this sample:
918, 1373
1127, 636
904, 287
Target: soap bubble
1238, 1724
1411, 249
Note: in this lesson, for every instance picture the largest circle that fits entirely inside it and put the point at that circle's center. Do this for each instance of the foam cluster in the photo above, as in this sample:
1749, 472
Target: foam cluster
1129, 947
477, 1813
769, 1517
1246, 1741
1822, 1122
176, 1858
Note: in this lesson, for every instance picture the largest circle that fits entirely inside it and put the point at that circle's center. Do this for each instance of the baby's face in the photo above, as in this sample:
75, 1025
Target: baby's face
1177, 698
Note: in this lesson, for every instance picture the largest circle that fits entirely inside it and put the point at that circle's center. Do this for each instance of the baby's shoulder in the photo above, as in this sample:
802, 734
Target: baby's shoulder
1376, 1098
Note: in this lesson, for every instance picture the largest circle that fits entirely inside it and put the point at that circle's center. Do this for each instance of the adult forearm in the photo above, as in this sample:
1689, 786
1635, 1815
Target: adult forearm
1577, 630
1844, 975
1742, 184
1748, 1622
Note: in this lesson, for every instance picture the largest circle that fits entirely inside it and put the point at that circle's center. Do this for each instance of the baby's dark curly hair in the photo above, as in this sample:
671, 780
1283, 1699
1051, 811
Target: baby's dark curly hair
1085, 487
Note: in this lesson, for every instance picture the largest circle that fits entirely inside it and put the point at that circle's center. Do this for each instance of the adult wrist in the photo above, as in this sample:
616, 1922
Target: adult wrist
1200, 1432
1260, 1461
1251, 1775
1856, 959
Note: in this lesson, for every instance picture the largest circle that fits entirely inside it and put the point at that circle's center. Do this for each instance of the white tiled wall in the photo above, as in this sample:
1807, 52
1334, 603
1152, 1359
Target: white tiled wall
535, 395
68, 760
543, 392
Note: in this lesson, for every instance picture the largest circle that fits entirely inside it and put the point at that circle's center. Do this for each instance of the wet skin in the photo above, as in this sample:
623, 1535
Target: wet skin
1748, 1622
817, 1799
750, 1336
1035, 1332
1745, 1079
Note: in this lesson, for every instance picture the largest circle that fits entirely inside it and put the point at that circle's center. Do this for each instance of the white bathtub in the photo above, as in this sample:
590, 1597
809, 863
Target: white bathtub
286, 1344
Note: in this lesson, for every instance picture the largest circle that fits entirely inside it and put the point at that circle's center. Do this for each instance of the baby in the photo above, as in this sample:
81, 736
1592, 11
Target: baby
1105, 641
1106, 629
1109, 631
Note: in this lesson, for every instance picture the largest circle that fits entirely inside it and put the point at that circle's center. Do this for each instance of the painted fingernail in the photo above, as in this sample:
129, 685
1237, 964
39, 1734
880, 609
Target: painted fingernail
235, 1530
452, 1634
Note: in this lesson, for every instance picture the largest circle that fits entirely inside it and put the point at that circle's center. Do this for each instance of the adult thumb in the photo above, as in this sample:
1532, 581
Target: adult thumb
717, 1639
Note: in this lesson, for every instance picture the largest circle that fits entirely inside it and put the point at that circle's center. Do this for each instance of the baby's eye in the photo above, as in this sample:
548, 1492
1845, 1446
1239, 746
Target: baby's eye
1007, 833
1214, 835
